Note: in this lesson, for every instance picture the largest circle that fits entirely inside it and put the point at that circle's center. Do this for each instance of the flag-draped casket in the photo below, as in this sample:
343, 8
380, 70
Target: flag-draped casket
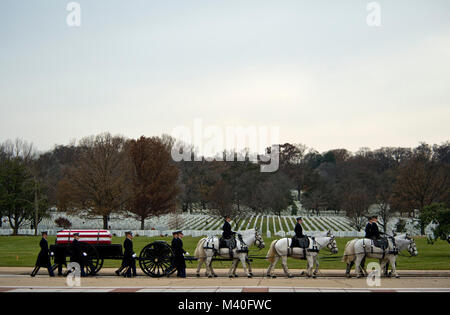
86, 236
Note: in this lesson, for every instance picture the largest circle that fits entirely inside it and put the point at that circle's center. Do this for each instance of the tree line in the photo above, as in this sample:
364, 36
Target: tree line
104, 174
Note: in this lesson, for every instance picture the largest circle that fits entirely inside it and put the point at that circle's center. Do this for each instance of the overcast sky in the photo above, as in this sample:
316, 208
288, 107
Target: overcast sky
313, 68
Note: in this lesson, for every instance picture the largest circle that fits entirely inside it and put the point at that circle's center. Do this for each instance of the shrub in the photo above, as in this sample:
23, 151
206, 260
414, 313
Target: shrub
63, 223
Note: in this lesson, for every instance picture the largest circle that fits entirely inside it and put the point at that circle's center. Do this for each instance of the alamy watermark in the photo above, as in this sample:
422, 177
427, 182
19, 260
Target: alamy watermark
216, 143
374, 277
73, 278
373, 19
73, 19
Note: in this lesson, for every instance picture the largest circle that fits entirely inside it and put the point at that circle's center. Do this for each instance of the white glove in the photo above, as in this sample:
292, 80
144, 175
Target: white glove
52, 254
134, 255
84, 254
186, 254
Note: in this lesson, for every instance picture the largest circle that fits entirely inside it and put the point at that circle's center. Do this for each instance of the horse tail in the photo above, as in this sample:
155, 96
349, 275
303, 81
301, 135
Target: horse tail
199, 251
272, 252
349, 252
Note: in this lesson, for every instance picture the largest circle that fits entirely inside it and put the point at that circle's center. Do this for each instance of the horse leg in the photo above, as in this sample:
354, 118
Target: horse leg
212, 271
285, 267
310, 265
358, 265
199, 266
235, 268
394, 266
271, 269
244, 265
232, 268
349, 269
316, 262
249, 267
208, 266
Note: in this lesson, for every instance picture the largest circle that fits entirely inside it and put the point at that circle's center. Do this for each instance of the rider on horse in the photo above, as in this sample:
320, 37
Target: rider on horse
228, 234
298, 228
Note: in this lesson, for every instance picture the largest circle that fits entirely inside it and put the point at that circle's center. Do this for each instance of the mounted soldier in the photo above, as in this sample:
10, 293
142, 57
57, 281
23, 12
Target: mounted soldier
228, 235
298, 228
368, 229
299, 239
43, 259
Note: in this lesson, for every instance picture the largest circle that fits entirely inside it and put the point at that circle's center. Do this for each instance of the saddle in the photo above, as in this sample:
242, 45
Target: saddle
231, 243
381, 242
302, 242
227, 242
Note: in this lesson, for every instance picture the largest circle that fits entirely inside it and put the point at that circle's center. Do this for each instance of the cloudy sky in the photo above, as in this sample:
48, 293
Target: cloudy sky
315, 69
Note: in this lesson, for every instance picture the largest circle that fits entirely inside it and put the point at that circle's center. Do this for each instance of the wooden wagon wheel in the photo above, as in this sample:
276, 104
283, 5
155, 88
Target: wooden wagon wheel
156, 259
92, 260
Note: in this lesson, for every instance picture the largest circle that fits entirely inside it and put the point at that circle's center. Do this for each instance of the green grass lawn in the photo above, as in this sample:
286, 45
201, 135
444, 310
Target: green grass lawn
23, 250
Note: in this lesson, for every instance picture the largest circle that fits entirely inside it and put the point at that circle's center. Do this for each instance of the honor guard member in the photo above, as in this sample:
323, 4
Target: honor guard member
178, 251
372, 231
77, 255
129, 256
375, 231
60, 260
298, 228
368, 229
43, 259
228, 234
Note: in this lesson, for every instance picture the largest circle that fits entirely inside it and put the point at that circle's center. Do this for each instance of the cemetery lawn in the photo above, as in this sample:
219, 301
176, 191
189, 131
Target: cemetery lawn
22, 251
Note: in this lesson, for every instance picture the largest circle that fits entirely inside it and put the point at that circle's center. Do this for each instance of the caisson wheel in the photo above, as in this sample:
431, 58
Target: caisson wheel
156, 259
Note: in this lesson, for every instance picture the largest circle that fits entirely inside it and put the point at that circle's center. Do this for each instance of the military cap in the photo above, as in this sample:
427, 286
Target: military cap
128, 233
44, 232
299, 218
76, 234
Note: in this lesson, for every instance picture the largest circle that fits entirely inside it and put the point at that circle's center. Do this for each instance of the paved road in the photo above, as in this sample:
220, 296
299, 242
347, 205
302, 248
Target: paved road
17, 279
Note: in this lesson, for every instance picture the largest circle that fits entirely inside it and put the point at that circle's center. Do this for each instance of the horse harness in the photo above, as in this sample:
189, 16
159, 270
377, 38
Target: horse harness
382, 243
226, 243
302, 243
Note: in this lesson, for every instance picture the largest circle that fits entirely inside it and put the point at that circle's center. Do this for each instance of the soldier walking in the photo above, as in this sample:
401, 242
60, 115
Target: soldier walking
129, 257
177, 246
77, 255
43, 259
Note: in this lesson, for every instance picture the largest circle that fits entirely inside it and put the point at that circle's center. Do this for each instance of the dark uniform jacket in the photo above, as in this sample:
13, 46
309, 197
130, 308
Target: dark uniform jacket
375, 231
178, 251
227, 233
372, 231
43, 259
298, 230
76, 254
128, 250
368, 230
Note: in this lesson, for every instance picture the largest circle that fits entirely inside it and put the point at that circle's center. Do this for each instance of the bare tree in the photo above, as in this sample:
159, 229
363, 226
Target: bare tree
96, 182
154, 178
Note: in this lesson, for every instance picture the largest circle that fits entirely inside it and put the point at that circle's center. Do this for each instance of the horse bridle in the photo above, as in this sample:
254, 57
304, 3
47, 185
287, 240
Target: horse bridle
411, 249
332, 243
258, 241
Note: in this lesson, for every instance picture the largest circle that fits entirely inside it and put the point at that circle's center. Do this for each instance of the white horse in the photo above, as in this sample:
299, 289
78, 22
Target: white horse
282, 249
209, 246
357, 249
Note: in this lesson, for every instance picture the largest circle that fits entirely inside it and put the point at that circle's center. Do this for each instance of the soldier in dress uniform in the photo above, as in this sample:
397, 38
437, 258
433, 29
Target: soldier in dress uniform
129, 257
375, 231
77, 255
228, 234
298, 228
178, 251
368, 229
43, 259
